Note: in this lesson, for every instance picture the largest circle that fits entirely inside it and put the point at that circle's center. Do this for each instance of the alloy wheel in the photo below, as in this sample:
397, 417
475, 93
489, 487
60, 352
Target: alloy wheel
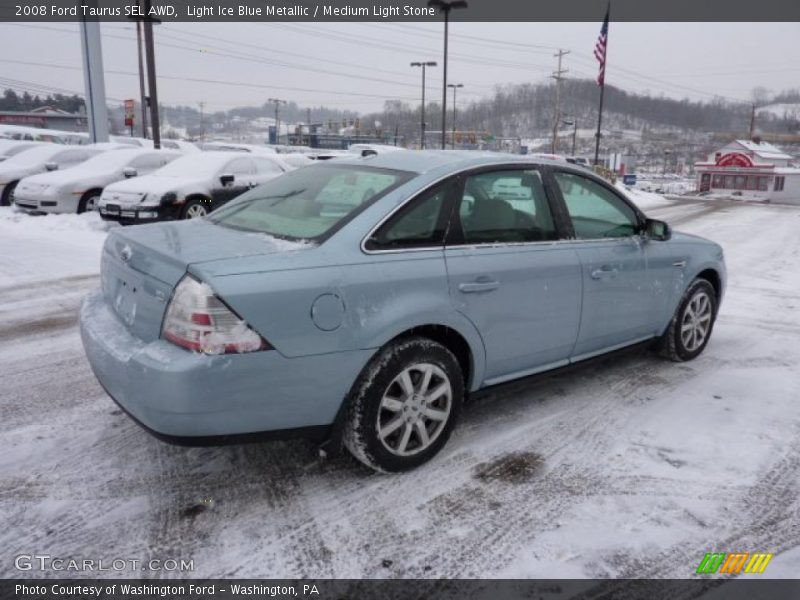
195, 211
696, 321
414, 409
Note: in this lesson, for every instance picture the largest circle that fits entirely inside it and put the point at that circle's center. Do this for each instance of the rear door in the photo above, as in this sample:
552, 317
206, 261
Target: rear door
616, 288
508, 274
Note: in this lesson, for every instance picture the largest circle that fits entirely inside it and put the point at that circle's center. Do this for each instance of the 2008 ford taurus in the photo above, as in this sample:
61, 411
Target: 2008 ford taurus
366, 298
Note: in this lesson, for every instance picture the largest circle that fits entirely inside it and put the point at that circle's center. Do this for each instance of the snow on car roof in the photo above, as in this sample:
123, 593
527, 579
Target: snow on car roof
421, 161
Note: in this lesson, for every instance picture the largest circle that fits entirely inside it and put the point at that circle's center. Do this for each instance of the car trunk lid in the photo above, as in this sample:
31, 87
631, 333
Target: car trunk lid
142, 265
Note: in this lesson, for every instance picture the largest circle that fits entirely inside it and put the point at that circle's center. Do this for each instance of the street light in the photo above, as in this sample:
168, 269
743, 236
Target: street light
277, 102
455, 86
574, 123
429, 63
445, 6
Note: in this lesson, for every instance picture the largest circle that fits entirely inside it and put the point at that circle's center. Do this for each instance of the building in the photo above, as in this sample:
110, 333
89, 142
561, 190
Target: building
45, 117
750, 169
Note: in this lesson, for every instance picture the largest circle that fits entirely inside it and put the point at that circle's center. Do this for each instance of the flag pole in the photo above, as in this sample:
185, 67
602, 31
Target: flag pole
599, 123
602, 81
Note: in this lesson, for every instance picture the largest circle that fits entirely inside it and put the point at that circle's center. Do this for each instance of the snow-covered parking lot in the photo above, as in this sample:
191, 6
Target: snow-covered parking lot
631, 467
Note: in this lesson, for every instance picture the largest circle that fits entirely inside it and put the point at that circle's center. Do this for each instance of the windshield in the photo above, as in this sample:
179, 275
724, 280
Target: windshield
195, 165
114, 159
34, 156
310, 202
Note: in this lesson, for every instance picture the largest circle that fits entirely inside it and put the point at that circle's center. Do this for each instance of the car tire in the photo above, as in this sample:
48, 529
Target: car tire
404, 405
194, 209
89, 201
690, 328
7, 198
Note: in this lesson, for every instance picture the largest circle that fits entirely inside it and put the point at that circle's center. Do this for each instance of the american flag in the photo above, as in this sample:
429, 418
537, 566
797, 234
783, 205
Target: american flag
600, 50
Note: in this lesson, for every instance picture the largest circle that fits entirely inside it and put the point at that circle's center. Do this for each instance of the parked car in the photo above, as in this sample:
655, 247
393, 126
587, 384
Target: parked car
47, 157
78, 189
286, 312
9, 148
189, 187
236, 147
296, 160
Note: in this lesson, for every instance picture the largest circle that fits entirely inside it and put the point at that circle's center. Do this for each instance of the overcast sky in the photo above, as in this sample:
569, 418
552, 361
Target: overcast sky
359, 65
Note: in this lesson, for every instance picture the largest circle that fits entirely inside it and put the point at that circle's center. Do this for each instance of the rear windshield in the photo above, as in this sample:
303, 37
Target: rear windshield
309, 203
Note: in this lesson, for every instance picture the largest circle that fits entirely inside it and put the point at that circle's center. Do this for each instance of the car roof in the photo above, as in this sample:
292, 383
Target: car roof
422, 161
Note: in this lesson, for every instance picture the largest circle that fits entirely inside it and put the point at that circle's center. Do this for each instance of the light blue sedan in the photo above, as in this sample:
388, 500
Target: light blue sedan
362, 300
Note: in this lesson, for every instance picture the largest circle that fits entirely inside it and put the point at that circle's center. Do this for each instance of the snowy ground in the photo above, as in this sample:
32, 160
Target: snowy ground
629, 468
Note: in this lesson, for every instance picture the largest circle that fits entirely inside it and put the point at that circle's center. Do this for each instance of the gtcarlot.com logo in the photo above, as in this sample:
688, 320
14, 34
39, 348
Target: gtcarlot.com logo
734, 562
45, 562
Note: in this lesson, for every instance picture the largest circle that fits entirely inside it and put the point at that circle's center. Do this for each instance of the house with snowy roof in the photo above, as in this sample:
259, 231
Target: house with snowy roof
751, 169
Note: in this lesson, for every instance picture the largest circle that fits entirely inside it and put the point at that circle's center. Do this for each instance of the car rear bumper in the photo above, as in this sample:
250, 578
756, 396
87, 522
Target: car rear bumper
198, 399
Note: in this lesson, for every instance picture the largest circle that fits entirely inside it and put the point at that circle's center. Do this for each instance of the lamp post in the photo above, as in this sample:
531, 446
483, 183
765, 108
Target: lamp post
445, 6
429, 63
277, 102
574, 124
454, 86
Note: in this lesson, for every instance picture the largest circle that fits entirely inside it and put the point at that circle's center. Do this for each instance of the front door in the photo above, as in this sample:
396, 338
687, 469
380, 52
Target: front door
506, 273
616, 291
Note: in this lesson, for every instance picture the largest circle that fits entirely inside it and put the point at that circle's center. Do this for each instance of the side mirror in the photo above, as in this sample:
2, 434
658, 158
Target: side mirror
51, 166
129, 172
226, 179
658, 230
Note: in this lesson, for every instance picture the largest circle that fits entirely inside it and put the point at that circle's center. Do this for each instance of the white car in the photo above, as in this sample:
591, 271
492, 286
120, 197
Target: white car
79, 188
189, 187
296, 159
236, 147
367, 149
39, 159
9, 148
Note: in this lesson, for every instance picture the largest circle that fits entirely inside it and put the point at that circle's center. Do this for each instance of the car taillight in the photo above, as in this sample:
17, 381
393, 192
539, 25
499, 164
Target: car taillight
197, 320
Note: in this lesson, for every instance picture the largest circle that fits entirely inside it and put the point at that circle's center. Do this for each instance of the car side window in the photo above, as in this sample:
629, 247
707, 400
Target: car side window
69, 157
240, 166
420, 223
505, 206
595, 211
148, 163
265, 165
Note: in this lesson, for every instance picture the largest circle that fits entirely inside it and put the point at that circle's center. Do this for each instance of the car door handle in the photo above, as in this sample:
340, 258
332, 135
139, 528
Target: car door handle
604, 271
477, 286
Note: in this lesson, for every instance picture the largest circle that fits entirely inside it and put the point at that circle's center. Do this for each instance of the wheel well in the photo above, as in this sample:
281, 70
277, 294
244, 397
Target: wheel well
88, 193
450, 339
712, 277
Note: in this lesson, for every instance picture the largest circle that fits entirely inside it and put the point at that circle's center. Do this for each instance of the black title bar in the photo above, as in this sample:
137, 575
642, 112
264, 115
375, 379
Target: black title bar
403, 10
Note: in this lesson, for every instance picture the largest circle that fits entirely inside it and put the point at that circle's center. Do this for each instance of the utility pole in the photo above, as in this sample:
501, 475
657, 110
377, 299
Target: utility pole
429, 63
202, 122
142, 91
558, 75
752, 121
277, 102
150, 53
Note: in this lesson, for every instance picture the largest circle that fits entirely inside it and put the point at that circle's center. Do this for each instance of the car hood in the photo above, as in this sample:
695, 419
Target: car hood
72, 176
166, 250
154, 184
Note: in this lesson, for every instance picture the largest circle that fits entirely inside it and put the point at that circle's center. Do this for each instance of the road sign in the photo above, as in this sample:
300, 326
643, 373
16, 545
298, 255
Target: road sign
129, 109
